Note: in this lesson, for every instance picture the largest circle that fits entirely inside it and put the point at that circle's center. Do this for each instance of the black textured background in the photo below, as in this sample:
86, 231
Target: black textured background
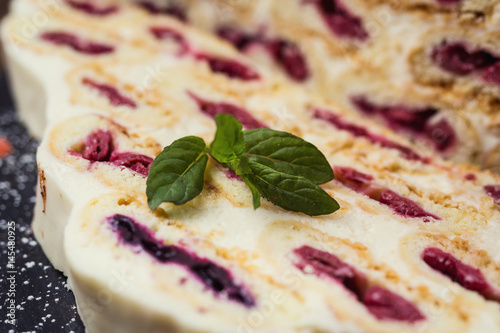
44, 304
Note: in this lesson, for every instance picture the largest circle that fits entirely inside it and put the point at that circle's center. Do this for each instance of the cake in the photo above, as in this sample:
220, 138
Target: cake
413, 247
404, 54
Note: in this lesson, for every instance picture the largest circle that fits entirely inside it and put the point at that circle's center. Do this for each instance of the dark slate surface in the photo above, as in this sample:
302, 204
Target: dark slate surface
43, 302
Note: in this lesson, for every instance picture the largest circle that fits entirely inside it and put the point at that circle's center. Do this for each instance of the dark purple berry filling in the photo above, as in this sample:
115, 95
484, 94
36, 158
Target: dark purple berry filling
230, 68
380, 302
492, 74
494, 192
290, 57
355, 180
91, 8
384, 304
470, 177
167, 33
340, 20
211, 109
76, 43
136, 162
465, 275
414, 120
238, 37
171, 10
232, 175
286, 53
216, 278
111, 93
98, 146
442, 135
404, 206
458, 59
448, 2
362, 183
396, 116
359, 131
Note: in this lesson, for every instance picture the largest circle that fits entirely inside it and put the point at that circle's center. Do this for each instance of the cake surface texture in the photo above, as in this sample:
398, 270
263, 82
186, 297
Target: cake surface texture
107, 85
428, 68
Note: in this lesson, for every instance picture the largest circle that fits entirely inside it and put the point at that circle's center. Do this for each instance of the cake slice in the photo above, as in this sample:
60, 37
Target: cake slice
413, 247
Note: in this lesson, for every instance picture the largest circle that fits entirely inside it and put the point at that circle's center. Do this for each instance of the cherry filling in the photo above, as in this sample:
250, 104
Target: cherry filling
404, 206
111, 93
232, 175
363, 183
167, 33
99, 148
286, 53
448, 2
359, 131
171, 10
414, 120
384, 304
340, 20
211, 109
76, 43
216, 278
465, 275
289, 56
380, 302
460, 59
240, 39
494, 192
230, 68
135, 162
91, 8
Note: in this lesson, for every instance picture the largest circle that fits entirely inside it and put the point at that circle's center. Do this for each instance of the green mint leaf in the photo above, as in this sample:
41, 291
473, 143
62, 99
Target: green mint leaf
291, 192
255, 192
177, 174
228, 144
287, 153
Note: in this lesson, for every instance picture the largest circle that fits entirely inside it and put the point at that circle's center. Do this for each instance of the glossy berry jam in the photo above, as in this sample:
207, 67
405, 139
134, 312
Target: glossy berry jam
240, 39
494, 192
76, 43
284, 52
171, 10
135, 162
355, 180
98, 146
359, 131
111, 93
211, 109
215, 278
492, 74
416, 121
340, 20
289, 56
230, 68
386, 305
448, 2
461, 60
363, 183
404, 206
380, 302
91, 8
167, 33
465, 275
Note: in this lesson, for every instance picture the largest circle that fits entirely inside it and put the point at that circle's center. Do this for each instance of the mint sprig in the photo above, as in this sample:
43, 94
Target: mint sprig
281, 167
